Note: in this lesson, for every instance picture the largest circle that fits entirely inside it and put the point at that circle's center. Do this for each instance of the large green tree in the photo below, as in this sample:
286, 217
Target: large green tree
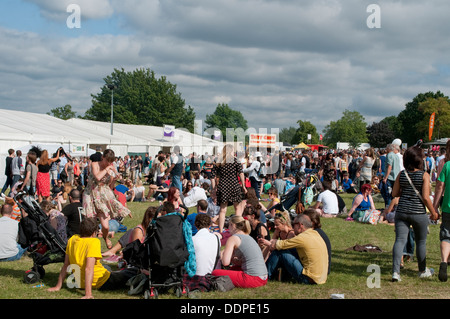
225, 118
411, 118
304, 129
380, 134
286, 134
441, 107
140, 98
63, 112
350, 128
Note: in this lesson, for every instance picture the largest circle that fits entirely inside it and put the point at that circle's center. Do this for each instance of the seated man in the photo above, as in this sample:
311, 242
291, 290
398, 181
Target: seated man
84, 250
10, 250
206, 245
327, 202
308, 263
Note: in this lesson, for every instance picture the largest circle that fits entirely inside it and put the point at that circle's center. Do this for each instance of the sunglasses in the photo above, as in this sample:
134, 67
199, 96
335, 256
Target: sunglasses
279, 215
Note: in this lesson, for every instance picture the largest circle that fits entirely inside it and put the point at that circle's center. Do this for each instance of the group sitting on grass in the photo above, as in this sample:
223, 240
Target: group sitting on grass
242, 247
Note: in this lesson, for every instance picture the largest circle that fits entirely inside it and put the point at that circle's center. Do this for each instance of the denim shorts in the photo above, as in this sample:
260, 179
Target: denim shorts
444, 233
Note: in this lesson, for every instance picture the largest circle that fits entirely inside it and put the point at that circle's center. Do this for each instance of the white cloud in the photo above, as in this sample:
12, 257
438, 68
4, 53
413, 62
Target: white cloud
276, 61
57, 9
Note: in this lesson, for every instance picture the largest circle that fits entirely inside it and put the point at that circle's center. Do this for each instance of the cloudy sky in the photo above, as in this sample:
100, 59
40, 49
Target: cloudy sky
275, 61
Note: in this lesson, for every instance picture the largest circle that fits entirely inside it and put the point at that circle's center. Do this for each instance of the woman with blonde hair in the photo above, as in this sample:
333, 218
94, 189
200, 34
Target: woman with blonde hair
43, 175
244, 257
283, 230
228, 184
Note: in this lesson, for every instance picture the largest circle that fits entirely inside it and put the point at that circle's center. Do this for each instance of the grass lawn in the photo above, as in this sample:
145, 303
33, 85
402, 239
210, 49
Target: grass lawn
349, 270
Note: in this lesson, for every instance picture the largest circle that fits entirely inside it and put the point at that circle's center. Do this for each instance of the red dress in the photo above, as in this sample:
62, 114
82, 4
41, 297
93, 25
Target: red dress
43, 180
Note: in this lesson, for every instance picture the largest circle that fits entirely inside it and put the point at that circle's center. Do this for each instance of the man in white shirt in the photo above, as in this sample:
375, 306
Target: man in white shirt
206, 245
327, 202
10, 250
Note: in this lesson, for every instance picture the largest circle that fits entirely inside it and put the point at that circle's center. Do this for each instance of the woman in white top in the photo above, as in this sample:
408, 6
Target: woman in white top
366, 167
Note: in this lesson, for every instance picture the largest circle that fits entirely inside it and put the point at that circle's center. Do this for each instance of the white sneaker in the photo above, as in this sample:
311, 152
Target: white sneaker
396, 277
427, 273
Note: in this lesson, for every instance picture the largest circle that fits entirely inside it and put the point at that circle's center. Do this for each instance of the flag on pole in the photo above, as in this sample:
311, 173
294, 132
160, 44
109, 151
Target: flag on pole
431, 126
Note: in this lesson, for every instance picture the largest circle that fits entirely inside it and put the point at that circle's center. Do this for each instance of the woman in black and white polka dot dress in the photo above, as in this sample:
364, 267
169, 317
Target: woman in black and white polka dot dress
226, 187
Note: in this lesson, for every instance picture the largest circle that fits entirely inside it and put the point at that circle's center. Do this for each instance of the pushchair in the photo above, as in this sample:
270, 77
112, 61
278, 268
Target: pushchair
42, 241
162, 254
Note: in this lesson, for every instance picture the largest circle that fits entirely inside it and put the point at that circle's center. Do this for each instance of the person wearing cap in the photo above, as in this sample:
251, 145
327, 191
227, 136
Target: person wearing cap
253, 175
398, 143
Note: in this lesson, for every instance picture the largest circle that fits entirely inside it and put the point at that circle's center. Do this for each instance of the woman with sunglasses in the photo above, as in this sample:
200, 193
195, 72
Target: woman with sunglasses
283, 230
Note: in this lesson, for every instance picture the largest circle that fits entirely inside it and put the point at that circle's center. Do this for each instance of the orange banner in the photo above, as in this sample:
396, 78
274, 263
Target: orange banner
431, 126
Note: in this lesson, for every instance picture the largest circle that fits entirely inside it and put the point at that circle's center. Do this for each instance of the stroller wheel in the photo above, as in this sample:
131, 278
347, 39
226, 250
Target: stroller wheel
178, 292
40, 270
151, 294
31, 277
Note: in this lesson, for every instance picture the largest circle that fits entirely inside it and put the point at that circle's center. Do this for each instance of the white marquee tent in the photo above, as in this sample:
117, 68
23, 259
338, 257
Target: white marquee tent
21, 130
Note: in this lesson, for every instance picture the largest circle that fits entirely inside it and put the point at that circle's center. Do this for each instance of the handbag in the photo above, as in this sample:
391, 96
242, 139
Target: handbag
220, 283
371, 216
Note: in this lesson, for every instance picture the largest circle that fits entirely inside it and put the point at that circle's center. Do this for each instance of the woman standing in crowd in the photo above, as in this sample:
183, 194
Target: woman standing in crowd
248, 269
366, 167
227, 179
412, 186
98, 197
43, 175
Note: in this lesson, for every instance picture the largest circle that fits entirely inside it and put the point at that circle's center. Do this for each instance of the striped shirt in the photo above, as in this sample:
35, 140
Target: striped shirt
409, 202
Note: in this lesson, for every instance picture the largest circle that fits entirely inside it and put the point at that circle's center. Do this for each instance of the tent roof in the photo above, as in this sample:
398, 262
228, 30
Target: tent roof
43, 128
153, 135
301, 145
18, 125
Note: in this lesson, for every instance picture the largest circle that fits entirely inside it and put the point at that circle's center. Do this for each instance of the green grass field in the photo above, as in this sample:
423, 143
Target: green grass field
350, 270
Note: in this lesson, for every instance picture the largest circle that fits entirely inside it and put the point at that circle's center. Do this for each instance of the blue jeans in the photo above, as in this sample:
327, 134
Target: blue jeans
386, 191
176, 182
17, 256
288, 260
256, 185
419, 223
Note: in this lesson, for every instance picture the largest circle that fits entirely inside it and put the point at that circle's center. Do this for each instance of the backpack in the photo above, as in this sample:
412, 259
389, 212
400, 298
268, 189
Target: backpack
262, 172
308, 196
294, 164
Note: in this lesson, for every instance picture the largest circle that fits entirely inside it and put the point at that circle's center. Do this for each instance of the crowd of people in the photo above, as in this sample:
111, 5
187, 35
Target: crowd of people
87, 198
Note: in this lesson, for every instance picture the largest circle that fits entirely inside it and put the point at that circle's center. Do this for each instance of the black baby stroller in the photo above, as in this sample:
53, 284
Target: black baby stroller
44, 244
162, 254
304, 192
